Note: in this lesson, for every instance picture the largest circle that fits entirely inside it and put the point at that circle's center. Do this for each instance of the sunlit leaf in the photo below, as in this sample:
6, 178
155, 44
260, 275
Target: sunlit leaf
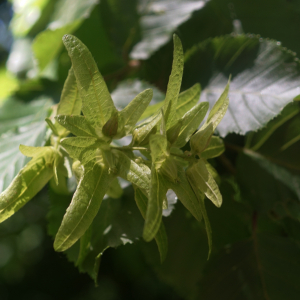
215, 148
97, 105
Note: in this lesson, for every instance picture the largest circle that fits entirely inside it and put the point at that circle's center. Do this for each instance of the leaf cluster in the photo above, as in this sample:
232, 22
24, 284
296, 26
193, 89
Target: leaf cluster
84, 128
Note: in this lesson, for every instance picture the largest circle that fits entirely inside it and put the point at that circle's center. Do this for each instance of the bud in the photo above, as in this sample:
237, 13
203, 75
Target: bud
173, 132
110, 128
77, 169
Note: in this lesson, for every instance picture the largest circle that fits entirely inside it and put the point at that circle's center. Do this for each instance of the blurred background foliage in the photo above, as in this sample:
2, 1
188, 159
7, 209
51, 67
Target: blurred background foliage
256, 232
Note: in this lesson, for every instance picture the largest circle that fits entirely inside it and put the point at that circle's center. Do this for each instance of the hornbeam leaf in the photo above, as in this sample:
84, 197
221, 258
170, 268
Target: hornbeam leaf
70, 101
157, 194
215, 148
29, 181
115, 190
97, 105
133, 111
219, 109
161, 236
200, 140
131, 171
30, 151
203, 180
187, 99
185, 193
81, 148
174, 84
191, 121
142, 132
200, 195
84, 206
78, 125
158, 146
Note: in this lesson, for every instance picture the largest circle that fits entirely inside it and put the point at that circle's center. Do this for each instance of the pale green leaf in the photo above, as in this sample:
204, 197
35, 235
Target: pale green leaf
50, 38
161, 238
174, 84
151, 109
29, 181
193, 180
142, 132
81, 148
97, 105
215, 148
115, 190
133, 111
157, 194
78, 125
191, 121
185, 194
70, 103
51, 126
84, 206
187, 99
200, 140
131, 171
219, 109
31, 151
158, 146
204, 181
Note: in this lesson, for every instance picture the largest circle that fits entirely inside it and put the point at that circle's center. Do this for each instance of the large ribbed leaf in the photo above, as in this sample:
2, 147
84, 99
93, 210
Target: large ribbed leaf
159, 19
265, 78
19, 124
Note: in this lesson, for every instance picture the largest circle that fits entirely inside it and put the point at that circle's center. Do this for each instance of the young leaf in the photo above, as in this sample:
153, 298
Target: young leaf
131, 171
133, 111
97, 105
115, 190
191, 121
200, 140
30, 151
70, 101
52, 126
158, 146
201, 178
29, 181
185, 194
218, 110
158, 190
78, 125
161, 236
142, 132
187, 100
110, 128
174, 84
214, 149
193, 180
84, 206
81, 148
173, 132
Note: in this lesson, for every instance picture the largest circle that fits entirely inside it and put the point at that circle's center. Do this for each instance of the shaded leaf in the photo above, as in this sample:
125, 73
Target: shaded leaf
265, 78
157, 194
159, 19
84, 206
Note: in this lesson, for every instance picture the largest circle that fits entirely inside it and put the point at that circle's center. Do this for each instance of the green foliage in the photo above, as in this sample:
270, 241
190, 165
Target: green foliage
102, 162
127, 144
